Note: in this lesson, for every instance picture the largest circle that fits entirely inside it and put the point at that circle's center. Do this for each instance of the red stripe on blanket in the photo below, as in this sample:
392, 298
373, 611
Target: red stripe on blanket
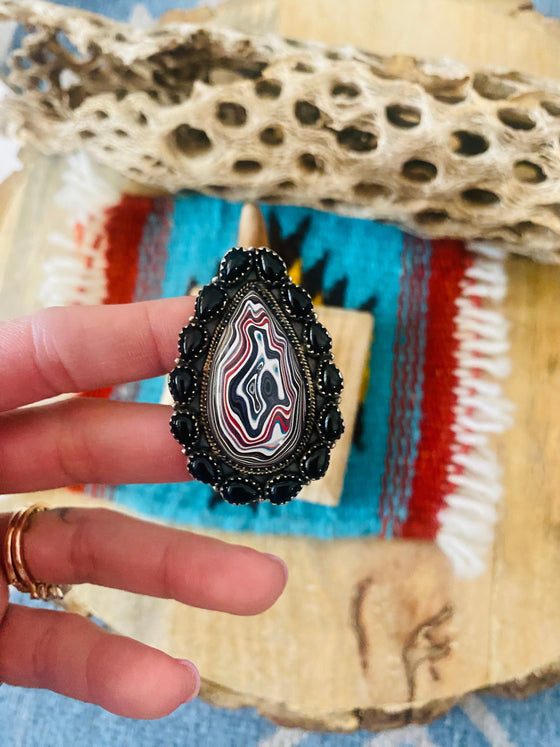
122, 234
449, 262
104, 392
123, 230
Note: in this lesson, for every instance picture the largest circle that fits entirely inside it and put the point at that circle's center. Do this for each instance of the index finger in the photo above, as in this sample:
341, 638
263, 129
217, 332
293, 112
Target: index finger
79, 348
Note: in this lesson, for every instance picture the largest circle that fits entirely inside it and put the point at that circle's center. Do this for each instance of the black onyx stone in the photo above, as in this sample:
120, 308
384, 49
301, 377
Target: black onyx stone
318, 337
298, 300
192, 341
201, 468
332, 424
182, 384
210, 299
235, 264
331, 379
239, 493
183, 427
283, 491
271, 266
315, 464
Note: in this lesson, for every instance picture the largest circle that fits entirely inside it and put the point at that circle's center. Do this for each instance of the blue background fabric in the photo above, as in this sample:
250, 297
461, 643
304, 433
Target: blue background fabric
34, 718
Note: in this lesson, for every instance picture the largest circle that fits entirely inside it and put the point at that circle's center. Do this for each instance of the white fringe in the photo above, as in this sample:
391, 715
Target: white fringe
467, 520
75, 270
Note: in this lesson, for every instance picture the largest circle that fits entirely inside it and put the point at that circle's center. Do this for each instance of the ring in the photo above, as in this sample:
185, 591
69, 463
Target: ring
14, 562
255, 389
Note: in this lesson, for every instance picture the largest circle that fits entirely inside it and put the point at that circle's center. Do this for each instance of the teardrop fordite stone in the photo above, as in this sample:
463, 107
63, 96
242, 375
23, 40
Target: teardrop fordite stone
257, 392
210, 299
182, 384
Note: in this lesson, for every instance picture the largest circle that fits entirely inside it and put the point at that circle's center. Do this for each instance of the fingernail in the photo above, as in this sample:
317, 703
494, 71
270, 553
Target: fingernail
280, 563
196, 675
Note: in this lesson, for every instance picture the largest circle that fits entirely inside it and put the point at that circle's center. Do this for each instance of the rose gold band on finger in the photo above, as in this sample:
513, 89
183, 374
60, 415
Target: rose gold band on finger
14, 560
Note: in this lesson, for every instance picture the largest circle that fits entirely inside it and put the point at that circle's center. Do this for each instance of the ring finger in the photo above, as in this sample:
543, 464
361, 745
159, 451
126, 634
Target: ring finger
98, 546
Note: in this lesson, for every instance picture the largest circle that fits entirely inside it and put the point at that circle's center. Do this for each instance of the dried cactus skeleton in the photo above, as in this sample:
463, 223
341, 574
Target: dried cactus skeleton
434, 147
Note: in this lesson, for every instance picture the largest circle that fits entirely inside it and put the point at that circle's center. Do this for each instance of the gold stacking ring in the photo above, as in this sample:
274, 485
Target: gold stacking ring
14, 560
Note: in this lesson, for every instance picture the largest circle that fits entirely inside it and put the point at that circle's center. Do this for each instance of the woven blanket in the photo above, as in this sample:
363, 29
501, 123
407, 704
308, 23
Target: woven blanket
420, 465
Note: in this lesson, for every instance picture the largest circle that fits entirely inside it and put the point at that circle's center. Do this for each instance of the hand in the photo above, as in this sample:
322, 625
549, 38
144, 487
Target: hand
87, 440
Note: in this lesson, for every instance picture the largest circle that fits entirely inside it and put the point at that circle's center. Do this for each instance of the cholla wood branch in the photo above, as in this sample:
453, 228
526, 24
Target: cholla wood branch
434, 147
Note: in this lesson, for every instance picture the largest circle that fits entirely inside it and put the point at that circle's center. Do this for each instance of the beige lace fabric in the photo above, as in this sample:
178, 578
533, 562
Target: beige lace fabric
433, 146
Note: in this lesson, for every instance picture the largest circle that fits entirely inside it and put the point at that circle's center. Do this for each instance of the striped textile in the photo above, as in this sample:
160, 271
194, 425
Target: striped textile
419, 466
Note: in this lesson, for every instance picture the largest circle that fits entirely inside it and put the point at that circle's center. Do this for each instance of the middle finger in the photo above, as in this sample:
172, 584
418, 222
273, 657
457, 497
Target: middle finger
87, 440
